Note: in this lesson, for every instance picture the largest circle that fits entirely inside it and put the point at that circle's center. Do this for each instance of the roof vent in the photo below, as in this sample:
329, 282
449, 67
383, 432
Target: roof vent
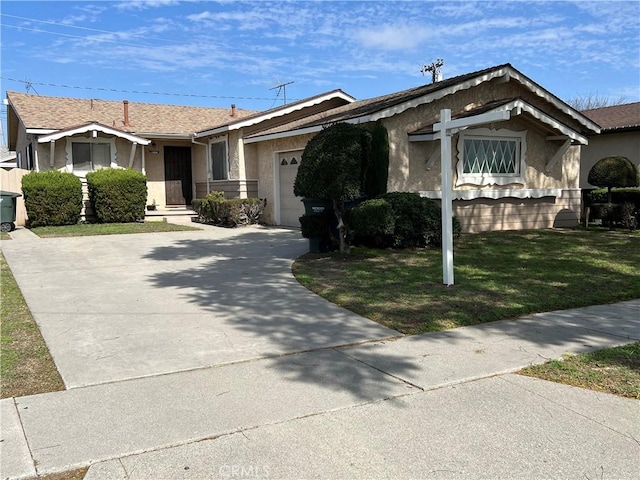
233, 109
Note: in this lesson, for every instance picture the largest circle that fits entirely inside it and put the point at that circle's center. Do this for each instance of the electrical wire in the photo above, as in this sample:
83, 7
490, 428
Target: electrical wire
102, 89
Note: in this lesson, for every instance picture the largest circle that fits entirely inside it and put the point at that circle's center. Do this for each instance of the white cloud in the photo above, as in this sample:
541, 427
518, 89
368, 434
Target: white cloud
393, 37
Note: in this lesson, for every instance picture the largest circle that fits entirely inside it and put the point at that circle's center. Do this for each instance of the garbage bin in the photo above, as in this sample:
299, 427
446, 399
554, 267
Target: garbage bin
8, 210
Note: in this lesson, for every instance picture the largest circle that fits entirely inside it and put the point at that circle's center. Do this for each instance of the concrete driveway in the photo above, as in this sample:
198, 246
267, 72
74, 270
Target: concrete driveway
127, 306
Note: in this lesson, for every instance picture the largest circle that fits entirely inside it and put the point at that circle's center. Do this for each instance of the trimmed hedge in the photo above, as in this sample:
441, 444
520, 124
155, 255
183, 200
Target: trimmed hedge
618, 196
216, 210
399, 220
117, 195
52, 198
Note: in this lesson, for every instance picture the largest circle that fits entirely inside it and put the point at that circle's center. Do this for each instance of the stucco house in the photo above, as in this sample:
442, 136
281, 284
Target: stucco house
515, 174
523, 172
620, 136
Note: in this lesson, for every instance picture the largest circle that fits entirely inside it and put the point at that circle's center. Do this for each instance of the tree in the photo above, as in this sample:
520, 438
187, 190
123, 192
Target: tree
612, 172
591, 100
333, 167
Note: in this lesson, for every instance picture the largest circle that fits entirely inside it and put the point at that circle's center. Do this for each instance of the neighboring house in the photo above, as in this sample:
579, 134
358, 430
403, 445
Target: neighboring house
620, 136
8, 159
514, 174
81, 135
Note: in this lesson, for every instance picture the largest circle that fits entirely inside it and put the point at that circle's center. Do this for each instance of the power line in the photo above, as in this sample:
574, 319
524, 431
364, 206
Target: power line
102, 89
76, 36
89, 29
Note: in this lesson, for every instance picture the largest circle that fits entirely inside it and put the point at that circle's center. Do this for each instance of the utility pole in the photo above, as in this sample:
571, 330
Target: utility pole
283, 87
435, 69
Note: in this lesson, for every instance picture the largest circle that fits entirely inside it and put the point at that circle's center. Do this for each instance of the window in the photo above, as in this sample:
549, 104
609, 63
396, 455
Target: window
89, 154
219, 164
488, 157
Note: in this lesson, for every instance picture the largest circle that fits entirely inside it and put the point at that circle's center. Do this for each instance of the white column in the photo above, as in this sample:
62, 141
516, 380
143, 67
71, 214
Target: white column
447, 203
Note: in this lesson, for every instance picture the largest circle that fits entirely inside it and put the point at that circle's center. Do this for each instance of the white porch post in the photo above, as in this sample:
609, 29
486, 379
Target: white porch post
445, 129
52, 153
132, 155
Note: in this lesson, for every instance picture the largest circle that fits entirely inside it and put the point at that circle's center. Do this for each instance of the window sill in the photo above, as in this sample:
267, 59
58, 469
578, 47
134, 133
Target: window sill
496, 193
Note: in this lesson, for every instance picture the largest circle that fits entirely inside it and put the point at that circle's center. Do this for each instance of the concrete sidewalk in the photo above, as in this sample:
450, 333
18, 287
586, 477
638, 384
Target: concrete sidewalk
428, 406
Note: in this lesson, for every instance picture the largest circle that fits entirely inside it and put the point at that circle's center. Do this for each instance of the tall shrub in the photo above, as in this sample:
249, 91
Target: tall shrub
377, 173
333, 167
117, 195
52, 198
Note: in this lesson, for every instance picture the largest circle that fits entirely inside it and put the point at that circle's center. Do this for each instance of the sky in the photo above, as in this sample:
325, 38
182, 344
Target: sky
215, 53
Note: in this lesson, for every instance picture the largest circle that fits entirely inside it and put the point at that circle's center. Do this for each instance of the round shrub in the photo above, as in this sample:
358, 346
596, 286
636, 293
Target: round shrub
117, 195
611, 172
52, 198
417, 221
373, 222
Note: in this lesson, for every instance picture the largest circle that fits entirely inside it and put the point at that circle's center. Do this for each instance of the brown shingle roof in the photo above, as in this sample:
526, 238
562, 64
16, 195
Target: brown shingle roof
376, 104
616, 117
57, 113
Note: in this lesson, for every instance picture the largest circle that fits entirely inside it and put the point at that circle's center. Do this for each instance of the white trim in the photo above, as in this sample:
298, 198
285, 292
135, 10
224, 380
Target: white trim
489, 178
560, 105
132, 154
425, 137
276, 113
69, 159
93, 127
40, 131
302, 131
495, 194
516, 107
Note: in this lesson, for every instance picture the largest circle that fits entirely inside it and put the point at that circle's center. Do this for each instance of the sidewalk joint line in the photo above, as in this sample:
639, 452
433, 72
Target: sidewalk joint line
24, 435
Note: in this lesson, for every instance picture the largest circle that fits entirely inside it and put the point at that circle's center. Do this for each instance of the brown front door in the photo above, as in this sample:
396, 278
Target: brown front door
177, 175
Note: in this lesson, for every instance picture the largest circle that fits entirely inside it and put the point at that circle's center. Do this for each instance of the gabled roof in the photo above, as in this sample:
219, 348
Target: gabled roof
517, 106
281, 111
616, 117
48, 114
372, 109
92, 127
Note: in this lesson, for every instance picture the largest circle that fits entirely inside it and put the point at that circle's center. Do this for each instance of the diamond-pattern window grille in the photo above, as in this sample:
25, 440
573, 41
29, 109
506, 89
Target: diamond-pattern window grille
491, 156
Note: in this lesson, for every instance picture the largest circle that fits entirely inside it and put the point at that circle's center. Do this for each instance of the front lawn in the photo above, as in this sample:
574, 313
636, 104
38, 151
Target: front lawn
612, 370
85, 229
498, 275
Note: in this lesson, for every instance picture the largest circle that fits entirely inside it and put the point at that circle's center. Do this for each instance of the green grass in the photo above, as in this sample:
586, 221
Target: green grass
498, 275
613, 370
86, 229
26, 366
5, 236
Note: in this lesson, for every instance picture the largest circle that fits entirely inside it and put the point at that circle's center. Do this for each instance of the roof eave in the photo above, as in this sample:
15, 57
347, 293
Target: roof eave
276, 113
93, 126
302, 131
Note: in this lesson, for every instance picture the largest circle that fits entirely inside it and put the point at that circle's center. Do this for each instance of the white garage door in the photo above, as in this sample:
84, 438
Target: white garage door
291, 207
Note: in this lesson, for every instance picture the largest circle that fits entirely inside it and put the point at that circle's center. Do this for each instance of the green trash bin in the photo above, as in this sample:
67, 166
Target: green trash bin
8, 201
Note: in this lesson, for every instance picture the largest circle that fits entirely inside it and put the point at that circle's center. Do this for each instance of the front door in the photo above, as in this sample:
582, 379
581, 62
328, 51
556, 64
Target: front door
177, 175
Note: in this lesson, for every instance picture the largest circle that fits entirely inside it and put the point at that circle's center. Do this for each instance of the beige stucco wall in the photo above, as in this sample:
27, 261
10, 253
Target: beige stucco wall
266, 152
407, 160
626, 144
